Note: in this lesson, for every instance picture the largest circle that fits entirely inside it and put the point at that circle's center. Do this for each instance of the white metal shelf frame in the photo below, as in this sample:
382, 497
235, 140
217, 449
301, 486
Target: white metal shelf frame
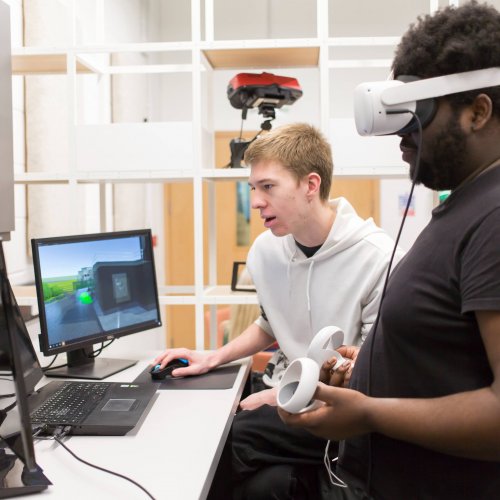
75, 59
184, 175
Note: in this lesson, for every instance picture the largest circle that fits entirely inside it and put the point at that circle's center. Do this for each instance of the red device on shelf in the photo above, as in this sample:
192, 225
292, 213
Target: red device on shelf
265, 91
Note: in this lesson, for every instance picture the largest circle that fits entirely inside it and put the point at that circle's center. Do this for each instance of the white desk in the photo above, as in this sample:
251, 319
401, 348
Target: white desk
173, 452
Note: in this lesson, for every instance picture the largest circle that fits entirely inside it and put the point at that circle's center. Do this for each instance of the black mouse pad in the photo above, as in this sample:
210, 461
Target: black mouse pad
220, 378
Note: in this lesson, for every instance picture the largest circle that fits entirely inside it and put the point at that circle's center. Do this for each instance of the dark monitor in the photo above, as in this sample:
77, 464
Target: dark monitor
91, 289
31, 370
19, 473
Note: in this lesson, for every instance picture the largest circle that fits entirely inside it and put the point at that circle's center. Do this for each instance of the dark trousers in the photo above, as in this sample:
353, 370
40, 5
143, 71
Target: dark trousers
266, 459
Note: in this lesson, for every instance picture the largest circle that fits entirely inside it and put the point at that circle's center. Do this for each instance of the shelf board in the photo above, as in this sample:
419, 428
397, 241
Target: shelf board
43, 64
215, 174
226, 173
363, 41
275, 57
382, 172
222, 54
41, 178
93, 177
179, 175
25, 295
222, 294
177, 300
212, 295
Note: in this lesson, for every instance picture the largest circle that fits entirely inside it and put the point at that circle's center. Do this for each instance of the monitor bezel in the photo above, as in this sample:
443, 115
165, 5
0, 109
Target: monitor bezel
9, 306
103, 336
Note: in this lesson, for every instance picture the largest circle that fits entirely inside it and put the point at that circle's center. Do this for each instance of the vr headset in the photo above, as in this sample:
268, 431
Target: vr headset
384, 108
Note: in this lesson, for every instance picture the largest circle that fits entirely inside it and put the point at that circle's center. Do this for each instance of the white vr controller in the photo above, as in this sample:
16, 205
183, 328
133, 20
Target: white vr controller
296, 388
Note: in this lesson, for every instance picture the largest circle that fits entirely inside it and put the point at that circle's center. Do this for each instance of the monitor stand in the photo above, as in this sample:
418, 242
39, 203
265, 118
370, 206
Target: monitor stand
16, 479
80, 365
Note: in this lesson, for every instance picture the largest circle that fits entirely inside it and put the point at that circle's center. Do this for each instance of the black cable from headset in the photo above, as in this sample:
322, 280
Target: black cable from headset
389, 267
61, 432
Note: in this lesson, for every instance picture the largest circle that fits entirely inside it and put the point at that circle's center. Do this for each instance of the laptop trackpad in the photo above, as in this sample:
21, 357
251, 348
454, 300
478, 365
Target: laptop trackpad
118, 405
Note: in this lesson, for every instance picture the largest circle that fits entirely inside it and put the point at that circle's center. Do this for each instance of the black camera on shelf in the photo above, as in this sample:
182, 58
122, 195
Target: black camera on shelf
264, 91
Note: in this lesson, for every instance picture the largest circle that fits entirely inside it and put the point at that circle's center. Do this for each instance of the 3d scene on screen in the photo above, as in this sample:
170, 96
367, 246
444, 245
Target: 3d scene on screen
93, 287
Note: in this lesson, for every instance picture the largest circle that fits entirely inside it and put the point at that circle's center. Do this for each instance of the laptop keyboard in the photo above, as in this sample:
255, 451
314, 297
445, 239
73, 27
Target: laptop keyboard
70, 404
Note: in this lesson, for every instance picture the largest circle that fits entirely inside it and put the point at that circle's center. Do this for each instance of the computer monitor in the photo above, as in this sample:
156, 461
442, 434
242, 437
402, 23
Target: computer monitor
19, 473
91, 289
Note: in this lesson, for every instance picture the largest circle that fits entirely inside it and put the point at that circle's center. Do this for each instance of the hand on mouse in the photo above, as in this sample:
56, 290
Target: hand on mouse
157, 373
198, 362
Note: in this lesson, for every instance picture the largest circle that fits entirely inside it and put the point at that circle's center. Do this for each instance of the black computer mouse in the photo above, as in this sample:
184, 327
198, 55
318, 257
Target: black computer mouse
158, 373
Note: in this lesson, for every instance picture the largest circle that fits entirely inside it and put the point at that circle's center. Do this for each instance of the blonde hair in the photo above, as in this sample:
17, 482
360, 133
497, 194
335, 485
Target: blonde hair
300, 148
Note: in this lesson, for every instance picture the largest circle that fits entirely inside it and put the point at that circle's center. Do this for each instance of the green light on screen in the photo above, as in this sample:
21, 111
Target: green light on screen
86, 298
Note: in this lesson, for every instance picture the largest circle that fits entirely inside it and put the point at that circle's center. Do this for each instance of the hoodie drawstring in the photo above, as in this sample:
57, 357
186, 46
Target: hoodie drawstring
308, 290
289, 272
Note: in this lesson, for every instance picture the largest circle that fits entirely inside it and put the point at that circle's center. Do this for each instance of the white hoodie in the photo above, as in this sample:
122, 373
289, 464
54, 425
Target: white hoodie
340, 285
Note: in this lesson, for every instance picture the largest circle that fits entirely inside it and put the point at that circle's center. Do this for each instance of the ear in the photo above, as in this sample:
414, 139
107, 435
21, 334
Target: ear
481, 111
313, 184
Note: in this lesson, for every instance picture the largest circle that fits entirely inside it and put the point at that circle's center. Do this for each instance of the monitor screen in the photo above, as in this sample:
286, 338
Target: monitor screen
93, 288
20, 373
31, 370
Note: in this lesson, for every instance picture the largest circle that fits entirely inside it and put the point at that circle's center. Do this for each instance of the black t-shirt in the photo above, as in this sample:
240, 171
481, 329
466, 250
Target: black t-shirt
428, 344
308, 251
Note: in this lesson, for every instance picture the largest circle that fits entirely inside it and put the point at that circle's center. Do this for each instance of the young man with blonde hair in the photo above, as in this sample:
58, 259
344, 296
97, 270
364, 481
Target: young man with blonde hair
319, 264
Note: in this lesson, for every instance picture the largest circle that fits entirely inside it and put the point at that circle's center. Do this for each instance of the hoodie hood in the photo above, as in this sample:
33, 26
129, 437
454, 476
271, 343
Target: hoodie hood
339, 285
347, 230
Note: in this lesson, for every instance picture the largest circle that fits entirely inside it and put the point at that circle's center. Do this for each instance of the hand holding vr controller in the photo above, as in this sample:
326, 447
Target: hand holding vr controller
299, 382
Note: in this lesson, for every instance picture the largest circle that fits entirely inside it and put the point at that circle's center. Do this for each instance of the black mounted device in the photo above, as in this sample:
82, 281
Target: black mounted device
264, 91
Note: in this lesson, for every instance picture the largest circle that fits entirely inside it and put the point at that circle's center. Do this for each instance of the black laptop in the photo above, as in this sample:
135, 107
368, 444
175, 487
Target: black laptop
91, 408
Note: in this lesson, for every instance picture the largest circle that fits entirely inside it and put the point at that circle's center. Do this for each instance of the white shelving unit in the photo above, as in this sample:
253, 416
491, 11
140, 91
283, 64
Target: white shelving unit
188, 156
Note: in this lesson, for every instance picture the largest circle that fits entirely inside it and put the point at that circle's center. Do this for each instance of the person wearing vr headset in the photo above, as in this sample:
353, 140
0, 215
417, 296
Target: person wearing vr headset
319, 264
421, 416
